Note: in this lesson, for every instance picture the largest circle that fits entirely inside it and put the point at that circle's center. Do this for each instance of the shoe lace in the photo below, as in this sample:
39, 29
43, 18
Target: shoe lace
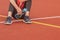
8, 18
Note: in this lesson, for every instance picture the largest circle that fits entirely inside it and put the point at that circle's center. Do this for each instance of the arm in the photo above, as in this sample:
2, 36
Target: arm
14, 4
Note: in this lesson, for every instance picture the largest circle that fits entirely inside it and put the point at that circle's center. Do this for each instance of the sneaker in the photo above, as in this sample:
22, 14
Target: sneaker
27, 20
8, 20
17, 16
22, 16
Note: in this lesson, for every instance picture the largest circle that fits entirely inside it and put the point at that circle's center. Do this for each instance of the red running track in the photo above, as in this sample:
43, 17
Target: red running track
34, 31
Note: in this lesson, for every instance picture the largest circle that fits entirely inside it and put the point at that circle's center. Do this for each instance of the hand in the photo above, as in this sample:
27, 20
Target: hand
19, 11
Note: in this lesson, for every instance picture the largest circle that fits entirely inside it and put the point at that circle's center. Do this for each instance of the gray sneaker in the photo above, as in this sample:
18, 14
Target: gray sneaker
8, 20
27, 20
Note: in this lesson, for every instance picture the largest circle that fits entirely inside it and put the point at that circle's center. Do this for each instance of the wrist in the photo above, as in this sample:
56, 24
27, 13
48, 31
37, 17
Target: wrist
17, 8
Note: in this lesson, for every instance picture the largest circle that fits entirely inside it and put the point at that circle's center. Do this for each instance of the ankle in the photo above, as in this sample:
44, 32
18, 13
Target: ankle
27, 15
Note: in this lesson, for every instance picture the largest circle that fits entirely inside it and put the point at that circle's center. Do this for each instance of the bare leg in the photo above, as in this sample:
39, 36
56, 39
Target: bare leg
9, 17
26, 18
9, 14
27, 13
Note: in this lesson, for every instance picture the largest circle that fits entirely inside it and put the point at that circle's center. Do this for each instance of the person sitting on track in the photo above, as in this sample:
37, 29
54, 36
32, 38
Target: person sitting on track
19, 9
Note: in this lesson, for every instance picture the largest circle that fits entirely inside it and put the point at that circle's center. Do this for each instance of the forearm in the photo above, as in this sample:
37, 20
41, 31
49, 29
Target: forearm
14, 4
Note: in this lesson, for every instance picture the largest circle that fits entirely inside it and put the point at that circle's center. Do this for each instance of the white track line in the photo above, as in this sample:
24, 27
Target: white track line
1, 22
12, 21
51, 17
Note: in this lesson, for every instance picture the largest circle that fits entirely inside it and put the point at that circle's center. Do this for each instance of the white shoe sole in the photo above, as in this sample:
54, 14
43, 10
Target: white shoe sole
8, 23
27, 22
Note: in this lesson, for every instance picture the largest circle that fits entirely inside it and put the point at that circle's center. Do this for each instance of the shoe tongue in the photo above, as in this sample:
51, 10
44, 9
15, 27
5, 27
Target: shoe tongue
9, 18
26, 16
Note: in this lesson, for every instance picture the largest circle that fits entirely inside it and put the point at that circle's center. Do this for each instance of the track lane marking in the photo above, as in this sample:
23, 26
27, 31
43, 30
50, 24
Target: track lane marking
46, 24
3, 16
